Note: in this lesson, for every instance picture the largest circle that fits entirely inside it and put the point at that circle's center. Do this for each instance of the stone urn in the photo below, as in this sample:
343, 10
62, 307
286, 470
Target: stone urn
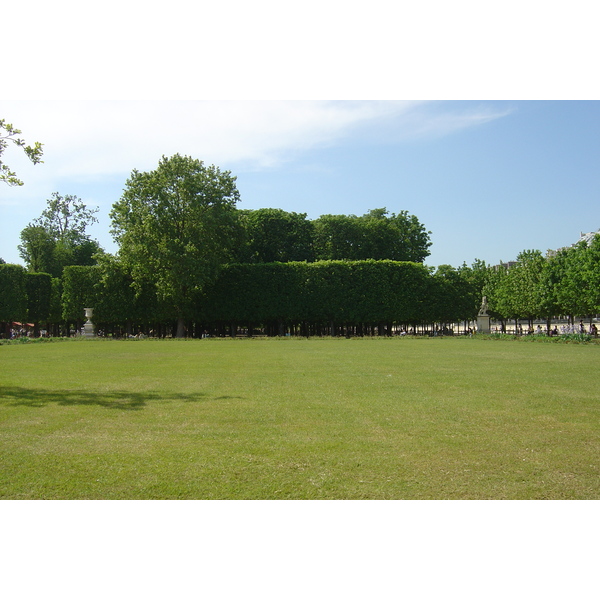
88, 328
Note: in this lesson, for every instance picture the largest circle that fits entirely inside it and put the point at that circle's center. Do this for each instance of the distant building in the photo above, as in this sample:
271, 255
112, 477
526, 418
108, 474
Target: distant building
588, 237
583, 237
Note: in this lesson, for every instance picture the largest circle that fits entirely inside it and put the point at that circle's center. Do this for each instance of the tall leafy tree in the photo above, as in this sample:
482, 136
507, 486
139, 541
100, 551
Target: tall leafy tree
336, 237
578, 268
527, 284
66, 216
175, 226
498, 293
58, 237
591, 275
274, 235
377, 235
389, 236
37, 250
9, 133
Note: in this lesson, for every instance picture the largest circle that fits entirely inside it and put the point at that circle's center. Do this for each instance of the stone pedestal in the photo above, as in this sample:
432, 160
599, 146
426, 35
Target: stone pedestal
88, 327
483, 324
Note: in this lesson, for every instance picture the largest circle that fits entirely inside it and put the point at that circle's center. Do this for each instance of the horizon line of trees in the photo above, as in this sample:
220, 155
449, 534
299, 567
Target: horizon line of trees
188, 256
300, 298
58, 237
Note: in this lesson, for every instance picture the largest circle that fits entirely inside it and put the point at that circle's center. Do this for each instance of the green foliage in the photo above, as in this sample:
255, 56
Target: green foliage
55, 315
66, 217
57, 238
37, 250
39, 296
452, 296
13, 293
175, 227
80, 290
476, 276
119, 301
521, 291
377, 235
496, 290
273, 235
580, 270
527, 283
350, 292
9, 133
567, 283
337, 237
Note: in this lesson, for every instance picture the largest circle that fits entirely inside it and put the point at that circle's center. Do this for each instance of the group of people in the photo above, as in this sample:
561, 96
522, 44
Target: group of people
564, 330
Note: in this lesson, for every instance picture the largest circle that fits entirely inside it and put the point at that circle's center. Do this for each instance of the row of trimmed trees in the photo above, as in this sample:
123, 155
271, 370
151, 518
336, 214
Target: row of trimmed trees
321, 298
28, 298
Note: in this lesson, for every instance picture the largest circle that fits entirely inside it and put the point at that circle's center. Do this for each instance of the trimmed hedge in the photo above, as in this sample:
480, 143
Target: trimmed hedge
312, 298
13, 293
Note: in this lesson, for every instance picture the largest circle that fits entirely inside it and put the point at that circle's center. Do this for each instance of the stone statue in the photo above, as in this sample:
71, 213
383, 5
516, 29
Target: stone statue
484, 307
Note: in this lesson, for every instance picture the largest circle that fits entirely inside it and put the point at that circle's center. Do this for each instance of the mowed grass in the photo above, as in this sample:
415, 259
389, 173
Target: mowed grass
299, 419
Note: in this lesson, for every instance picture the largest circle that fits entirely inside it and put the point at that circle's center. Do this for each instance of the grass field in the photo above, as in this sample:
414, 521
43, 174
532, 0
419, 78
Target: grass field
435, 418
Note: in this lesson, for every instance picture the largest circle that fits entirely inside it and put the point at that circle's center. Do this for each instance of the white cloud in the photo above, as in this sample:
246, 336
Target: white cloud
96, 138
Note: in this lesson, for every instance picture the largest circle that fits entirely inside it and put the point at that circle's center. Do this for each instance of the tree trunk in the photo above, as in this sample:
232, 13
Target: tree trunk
180, 328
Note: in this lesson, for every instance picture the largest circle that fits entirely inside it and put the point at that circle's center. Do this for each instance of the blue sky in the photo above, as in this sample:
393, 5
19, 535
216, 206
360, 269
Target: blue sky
487, 178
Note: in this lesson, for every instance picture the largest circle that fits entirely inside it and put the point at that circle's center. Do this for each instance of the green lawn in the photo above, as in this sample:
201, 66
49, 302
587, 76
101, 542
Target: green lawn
293, 419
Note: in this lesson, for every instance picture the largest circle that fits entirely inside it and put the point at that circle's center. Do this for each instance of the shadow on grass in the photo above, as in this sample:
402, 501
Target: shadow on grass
122, 400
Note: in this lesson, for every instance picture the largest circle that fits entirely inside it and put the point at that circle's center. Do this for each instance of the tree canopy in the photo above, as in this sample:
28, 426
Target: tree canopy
175, 226
377, 235
58, 237
274, 235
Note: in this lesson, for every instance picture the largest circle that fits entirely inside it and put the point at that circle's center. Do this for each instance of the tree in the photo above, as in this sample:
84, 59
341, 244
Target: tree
527, 284
58, 237
8, 133
274, 235
66, 217
37, 250
377, 235
591, 275
337, 237
578, 287
387, 236
175, 226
